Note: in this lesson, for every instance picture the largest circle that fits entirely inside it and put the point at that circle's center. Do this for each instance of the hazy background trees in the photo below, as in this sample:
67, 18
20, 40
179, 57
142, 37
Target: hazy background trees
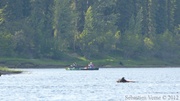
90, 28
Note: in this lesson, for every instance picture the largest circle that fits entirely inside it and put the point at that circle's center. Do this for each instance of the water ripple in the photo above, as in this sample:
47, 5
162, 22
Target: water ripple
62, 85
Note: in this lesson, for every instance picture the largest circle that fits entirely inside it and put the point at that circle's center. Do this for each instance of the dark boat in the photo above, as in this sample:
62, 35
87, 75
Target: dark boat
81, 68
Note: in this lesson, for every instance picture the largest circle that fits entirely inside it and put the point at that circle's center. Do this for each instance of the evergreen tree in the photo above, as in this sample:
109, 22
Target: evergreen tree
85, 38
64, 25
131, 42
40, 27
124, 10
170, 13
161, 17
151, 17
177, 14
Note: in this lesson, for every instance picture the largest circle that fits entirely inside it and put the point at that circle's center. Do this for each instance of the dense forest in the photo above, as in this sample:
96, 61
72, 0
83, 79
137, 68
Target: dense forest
90, 28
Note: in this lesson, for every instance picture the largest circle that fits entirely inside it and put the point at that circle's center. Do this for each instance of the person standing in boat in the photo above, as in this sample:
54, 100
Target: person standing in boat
91, 65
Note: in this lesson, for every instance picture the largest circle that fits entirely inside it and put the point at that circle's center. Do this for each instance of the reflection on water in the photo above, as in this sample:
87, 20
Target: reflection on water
62, 85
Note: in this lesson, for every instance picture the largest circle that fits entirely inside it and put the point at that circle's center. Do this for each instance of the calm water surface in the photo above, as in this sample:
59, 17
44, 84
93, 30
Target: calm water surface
62, 85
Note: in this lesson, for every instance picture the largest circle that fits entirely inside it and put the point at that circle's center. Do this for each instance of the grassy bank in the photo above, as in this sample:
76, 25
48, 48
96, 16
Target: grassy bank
106, 62
6, 70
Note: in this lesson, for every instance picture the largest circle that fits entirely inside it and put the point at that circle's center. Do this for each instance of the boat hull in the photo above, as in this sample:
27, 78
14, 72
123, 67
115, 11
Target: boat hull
68, 68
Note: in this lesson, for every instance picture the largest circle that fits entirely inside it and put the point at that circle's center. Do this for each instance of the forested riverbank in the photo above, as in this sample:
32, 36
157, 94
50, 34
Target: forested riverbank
107, 32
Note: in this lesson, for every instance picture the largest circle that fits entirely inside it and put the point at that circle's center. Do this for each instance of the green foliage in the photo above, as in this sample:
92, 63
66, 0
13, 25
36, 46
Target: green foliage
87, 38
148, 43
64, 24
1, 16
131, 45
166, 46
8, 70
6, 44
90, 28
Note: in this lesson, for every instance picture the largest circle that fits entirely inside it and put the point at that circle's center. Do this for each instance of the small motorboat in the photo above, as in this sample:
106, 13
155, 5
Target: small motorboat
74, 66
81, 68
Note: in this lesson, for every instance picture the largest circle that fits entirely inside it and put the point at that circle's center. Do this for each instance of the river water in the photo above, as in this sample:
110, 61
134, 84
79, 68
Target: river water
62, 85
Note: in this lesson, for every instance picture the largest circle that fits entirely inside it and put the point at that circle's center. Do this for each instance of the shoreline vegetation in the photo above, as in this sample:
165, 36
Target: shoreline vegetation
101, 63
9, 65
5, 70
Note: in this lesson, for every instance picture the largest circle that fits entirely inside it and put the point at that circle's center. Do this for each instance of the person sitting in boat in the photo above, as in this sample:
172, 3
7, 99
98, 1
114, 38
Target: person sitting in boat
74, 65
90, 65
